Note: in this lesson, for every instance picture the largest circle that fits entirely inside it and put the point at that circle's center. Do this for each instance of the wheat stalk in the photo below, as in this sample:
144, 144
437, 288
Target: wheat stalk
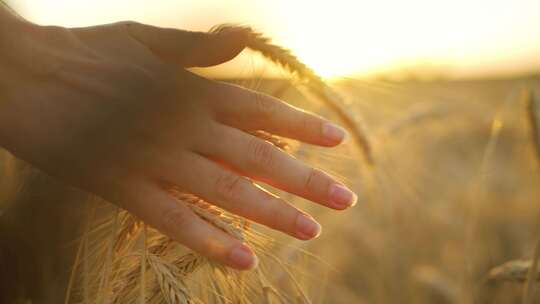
121, 266
168, 269
209, 213
159, 245
285, 58
131, 282
533, 110
533, 114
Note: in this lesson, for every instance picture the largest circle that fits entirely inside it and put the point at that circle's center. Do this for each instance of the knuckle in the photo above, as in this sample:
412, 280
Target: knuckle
261, 154
276, 212
130, 28
309, 124
127, 23
265, 108
133, 80
195, 37
174, 218
228, 186
280, 215
214, 131
310, 182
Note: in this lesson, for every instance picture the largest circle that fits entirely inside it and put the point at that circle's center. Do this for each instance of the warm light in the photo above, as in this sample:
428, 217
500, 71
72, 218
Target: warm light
344, 37
341, 37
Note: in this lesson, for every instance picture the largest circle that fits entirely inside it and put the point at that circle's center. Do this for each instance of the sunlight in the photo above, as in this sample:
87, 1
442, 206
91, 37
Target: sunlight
343, 37
348, 37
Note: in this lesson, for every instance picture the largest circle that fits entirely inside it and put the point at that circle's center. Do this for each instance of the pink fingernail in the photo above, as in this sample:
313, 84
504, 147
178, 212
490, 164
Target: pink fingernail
243, 258
332, 132
341, 196
307, 228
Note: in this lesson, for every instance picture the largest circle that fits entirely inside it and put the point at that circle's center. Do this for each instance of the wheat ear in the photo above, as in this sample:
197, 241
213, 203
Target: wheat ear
285, 58
170, 269
173, 291
209, 213
511, 271
130, 228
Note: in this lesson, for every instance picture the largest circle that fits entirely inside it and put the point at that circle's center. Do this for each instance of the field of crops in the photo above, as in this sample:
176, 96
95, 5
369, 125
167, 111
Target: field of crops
452, 194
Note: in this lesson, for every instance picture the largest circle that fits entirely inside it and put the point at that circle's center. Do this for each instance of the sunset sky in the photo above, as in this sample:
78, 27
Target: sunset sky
463, 38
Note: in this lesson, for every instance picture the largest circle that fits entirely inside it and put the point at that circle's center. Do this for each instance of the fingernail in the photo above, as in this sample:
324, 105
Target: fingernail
307, 228
242, 257
332, 132
341, 197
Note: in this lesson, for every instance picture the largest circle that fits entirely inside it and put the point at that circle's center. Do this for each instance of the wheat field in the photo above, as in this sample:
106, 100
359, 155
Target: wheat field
447, 173
448, 209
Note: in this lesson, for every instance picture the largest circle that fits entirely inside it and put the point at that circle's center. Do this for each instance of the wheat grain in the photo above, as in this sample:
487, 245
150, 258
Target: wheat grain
121, 269
173, 291
512, 271
130, 282
188, 263
210, 214
130, 227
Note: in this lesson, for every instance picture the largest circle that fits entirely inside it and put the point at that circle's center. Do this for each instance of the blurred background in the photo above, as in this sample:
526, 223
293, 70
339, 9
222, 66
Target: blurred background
451, 39
448, 93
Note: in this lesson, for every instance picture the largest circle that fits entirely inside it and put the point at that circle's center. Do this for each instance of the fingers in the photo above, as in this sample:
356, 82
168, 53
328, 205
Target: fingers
250, 110
160, 210
261, 160
239, 195
189, 49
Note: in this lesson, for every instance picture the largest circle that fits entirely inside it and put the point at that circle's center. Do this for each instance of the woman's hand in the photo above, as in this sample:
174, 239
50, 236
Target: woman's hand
111, 109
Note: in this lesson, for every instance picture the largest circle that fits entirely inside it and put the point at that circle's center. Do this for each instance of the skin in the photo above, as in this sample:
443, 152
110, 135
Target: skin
112, 110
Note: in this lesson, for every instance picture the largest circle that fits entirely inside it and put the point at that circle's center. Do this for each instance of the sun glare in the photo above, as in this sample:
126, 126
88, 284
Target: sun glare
349, 37
345, 37
342, 37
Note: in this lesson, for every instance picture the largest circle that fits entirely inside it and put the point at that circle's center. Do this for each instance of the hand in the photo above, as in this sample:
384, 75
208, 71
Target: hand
112, 110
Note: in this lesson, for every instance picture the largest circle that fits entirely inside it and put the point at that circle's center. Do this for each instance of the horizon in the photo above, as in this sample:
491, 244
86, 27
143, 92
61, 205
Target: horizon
436, 39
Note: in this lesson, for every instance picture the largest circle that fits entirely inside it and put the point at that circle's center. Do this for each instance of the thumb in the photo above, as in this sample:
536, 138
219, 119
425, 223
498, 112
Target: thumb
189, 49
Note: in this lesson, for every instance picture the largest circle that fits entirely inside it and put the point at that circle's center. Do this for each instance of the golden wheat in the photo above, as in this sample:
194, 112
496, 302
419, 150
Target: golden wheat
511, 271
533, 114
285, 58
210, 213
118, 271
172, 290
533, 109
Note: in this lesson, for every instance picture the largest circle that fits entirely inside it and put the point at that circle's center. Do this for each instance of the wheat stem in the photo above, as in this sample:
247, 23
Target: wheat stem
82, 245
103, 286
142, 298
533, 109
285, 58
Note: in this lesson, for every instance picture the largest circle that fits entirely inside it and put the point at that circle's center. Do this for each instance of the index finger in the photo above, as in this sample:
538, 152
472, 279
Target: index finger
251, 110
